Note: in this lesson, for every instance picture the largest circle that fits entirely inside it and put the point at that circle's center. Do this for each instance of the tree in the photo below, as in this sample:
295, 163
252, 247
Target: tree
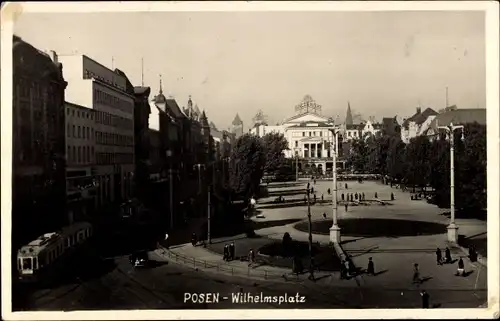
357, 158
274, 144
247, 165
418, 153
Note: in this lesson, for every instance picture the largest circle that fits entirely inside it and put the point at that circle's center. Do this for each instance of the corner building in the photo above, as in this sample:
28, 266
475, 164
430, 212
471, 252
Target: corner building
97, 87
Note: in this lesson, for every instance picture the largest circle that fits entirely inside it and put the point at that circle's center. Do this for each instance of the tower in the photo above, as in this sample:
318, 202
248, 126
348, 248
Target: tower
237, 126
348, 117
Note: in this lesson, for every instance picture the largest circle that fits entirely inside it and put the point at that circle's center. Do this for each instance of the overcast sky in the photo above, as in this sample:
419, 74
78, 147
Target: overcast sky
384, 63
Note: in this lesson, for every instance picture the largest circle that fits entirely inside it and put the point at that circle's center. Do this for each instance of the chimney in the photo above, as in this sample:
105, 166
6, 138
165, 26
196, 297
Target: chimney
419, 110
53, 56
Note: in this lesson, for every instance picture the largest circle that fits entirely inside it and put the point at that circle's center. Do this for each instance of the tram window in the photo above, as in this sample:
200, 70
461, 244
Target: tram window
27, 264
35, 263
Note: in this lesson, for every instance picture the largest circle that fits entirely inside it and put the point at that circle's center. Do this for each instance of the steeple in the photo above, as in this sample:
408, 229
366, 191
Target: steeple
190, 103
237, 120
161, 89
204, 120
348, 117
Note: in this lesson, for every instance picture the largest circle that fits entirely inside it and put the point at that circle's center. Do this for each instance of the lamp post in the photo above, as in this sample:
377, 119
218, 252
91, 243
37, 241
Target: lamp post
452, 228
311, 263
334, 229
171, 189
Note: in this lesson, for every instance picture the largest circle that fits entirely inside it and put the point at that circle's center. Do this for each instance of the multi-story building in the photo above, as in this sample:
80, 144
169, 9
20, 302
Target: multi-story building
359, 131
456, 116
142, 110
108, 93
38, 155
80, 147
417, 124
308, 135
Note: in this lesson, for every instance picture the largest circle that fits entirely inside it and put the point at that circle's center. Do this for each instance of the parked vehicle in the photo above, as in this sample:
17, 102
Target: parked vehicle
139, 259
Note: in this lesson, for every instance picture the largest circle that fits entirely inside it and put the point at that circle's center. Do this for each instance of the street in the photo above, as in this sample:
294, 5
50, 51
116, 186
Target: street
165, 285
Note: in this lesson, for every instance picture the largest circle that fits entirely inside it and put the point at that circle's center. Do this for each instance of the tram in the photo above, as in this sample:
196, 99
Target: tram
42, 255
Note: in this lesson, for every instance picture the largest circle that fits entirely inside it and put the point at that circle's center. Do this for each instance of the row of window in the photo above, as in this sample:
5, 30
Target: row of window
87, 74
114, 158
114, 120
83, 132
107, 99
80, 154
114, 139
79, 113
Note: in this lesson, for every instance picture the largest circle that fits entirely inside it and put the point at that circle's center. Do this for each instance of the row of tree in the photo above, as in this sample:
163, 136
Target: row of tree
251, 157
425, 163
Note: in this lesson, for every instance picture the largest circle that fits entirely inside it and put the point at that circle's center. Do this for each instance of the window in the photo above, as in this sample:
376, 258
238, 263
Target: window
88, 154
27, 263
68, 153
74, 131
309, 134
303, 134
73, 113
83, 132
88, 132
84, 154
73, 157
68, 130
79, 131
320, 134
79, 154
67, 111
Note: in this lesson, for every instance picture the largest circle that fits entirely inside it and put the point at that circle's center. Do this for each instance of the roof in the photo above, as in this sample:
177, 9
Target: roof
304, 124
174, 108
237, 120
303, 114
128, 85
420, 118
355, 127
142, 91
460, 117
47, 66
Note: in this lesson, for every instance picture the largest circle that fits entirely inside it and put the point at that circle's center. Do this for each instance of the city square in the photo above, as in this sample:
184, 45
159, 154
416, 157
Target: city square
193, 179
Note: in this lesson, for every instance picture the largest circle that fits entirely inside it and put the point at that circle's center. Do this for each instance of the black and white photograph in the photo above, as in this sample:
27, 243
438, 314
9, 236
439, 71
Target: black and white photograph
201, 160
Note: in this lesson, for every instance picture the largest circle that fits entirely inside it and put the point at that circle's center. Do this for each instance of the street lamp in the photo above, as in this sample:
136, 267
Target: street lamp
311, 263
171, 189
452, 228
199, 167
334, 229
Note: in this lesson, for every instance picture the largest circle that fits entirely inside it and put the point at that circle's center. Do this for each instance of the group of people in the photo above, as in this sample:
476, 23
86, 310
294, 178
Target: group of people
353, 196
228, 252
447, 260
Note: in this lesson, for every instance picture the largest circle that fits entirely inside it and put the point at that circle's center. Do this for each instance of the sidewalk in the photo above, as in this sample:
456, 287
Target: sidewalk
200, 258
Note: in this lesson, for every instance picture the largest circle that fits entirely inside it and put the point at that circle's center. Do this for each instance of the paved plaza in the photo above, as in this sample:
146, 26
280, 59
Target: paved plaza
393, 256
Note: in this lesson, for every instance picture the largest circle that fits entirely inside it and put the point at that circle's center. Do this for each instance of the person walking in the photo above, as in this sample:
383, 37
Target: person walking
345, 185
231, 251
416, 273
425, 299
363, 196
352, 197
347, 270
226, 252
439, 258
447, 256
329, 191
371, 267
322, 197
461, 268
342, 196
346, 206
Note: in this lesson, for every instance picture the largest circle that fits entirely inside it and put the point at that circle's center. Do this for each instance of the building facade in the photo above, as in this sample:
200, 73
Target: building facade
80, 159
108, 93
417, 124
456, 116
38, 155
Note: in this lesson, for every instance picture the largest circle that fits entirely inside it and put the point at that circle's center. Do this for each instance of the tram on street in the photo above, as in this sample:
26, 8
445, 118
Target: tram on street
43, 254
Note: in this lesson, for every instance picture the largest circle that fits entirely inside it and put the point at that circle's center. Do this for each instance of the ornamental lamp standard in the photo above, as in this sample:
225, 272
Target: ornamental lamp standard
311, 262
452, 228
334, 229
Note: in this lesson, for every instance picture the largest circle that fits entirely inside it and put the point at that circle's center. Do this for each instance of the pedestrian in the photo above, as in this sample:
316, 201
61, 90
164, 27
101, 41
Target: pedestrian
308, 185
447, 255
194, 239
226, 252
439, 258
371, 267
342, 196
352, 197
314, 198
346, 267
356, 196
425, 299
416, 273
305, 199
345, 185
322, 197
363, 196
461, 268
231, 251
312, 190
324, 215
376, 195
392, 196
314, 181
